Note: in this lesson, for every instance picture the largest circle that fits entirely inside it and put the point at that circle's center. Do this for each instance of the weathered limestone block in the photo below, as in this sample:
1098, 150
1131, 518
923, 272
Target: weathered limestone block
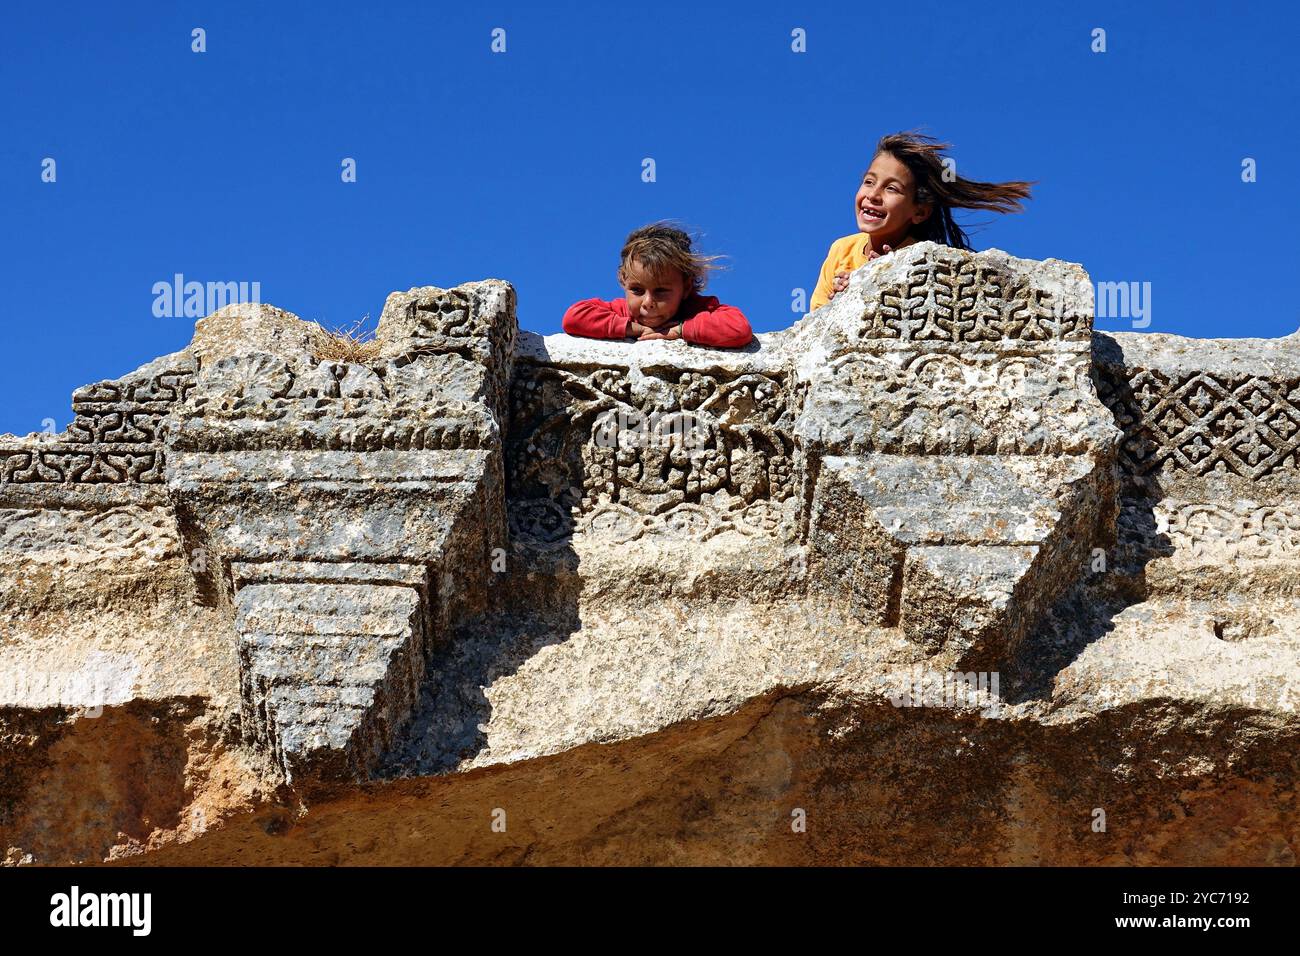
1225, 410
278, 456
951, 393
328, 505
111, 454
969, 601
262, 401
331, 658
474, 322
622, 444
1210, 469
932, 350
955, 550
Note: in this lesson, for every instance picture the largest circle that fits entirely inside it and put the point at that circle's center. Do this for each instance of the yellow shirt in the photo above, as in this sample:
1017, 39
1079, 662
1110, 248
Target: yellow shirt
846, 254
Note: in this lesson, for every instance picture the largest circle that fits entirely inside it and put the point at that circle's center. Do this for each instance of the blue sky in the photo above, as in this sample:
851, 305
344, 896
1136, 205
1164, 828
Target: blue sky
526, 165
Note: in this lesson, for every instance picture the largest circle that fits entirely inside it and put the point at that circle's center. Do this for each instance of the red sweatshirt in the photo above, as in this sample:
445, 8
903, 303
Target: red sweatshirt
707, 322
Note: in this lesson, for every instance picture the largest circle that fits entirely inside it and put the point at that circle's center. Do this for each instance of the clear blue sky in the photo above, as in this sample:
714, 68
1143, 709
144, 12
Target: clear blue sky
526, 165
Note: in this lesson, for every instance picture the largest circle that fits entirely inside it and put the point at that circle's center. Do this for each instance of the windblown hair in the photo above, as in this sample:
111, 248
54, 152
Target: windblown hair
662, 248
923, 156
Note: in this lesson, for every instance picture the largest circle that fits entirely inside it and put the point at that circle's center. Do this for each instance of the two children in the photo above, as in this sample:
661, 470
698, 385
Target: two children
907, 195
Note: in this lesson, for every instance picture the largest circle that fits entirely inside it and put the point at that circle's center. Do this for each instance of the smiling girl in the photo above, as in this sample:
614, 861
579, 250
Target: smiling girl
907, 196
662, 278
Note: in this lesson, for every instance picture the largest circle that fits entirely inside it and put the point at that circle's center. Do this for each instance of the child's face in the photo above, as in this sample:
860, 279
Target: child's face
652, 299
886, 204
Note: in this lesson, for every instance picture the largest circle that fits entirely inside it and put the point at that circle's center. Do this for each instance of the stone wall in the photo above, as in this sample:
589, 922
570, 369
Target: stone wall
654, 601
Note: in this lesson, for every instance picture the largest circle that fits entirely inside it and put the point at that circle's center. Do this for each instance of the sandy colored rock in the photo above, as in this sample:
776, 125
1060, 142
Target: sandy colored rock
937, 575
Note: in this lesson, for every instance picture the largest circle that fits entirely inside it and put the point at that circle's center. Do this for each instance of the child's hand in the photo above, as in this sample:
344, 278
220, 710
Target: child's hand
884, 250
673, 333
636, 329
839, 283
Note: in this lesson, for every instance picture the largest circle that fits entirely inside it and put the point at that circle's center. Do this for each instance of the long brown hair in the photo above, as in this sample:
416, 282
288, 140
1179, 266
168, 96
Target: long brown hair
923, 156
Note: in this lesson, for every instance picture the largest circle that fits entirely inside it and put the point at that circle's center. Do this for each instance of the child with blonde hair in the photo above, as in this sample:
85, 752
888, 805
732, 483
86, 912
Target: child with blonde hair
662, 279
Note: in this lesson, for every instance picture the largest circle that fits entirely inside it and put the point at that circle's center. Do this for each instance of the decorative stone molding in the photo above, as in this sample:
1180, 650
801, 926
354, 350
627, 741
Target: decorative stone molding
474, 547
950, 416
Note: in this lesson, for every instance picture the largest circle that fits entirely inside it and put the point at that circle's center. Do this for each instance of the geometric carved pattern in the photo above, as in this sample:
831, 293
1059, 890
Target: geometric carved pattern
113, 438
449, 315
464, 323
950, 298
88, 464
1203, 423
957, 354
127, 412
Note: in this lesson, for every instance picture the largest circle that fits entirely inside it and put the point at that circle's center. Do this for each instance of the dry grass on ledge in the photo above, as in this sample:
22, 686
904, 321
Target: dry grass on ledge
349, 344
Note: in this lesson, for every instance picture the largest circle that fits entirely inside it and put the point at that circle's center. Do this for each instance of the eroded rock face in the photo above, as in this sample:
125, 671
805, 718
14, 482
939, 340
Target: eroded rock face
936, 575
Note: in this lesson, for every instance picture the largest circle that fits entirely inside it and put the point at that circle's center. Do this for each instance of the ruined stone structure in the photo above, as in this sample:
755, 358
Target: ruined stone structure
937, 575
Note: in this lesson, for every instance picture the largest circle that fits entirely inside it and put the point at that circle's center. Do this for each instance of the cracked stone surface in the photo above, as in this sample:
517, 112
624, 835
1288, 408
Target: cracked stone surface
938, 570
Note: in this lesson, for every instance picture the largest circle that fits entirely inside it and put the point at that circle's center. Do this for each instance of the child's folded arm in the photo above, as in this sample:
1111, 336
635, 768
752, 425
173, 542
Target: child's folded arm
717, 325
596, 319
